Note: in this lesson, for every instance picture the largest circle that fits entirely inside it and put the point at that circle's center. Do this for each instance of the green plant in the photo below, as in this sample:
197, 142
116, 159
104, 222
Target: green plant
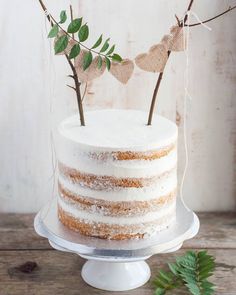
77, 28
66, 43
190, 271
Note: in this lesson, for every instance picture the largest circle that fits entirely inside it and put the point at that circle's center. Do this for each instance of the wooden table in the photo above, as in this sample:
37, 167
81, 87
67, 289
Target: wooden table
58, 273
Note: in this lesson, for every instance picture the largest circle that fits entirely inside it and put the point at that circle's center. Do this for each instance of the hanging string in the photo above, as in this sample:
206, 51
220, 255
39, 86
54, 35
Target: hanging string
52, 144
186, 92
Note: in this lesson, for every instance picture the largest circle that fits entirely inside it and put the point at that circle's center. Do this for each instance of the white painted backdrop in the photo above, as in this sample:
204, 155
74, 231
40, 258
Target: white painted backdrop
34, 98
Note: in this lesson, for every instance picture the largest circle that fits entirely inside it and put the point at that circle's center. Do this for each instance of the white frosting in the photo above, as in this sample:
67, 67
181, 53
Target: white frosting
164, 186
108, 130
124, 220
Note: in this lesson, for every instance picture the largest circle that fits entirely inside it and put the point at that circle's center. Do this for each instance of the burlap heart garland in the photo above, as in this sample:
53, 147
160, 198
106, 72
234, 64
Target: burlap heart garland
92, 72
122, 71
175, 41
153, 61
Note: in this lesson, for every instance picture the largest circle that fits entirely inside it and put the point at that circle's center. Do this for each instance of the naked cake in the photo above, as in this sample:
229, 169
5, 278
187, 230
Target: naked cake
117, 176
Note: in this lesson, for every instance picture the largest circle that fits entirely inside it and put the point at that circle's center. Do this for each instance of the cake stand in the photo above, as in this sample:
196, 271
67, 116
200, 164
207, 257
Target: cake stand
116, 265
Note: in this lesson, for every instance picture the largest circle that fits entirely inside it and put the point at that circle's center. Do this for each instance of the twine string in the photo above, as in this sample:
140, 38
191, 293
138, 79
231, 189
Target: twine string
52, 143
187, 93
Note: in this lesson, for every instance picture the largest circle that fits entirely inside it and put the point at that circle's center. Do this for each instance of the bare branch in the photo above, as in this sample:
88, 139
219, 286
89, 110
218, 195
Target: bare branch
74, 76
158, 83
178, 21
71, 87
212, 18
85, 89
71, 17
77, 90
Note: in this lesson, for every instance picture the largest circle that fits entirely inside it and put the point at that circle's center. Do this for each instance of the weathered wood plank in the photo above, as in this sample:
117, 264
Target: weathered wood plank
59, 273
17, 232
218, 230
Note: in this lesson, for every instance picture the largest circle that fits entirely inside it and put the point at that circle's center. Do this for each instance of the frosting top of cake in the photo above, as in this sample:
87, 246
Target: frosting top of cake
114, 129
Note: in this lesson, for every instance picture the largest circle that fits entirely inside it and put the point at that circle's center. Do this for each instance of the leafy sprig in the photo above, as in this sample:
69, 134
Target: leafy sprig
77, 28
190, 271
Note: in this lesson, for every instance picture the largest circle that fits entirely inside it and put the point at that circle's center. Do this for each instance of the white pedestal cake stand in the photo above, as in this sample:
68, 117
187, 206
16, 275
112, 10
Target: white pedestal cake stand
116, 265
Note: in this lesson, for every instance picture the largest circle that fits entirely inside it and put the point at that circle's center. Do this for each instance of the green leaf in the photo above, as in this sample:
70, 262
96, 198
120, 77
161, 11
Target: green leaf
161, 283
105, 45
63, 17
75, 25
108, 63
88, 58
53, 32
61, 44
159, 291
174, 268
83, 33
75, 50
166, 276
100, 61
110, 51
98, 42
194, 289
116, 57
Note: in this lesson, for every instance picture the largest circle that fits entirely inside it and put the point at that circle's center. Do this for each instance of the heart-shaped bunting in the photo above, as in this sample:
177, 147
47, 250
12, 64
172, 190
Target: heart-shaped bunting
175, 40
122, 71
153, 61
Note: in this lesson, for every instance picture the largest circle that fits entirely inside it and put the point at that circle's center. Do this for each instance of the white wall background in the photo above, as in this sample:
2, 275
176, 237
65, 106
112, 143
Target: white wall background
34, 98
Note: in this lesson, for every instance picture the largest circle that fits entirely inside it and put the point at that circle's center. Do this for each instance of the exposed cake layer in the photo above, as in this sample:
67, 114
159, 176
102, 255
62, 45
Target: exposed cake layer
113, 227
105, 182
115, 208
118, 165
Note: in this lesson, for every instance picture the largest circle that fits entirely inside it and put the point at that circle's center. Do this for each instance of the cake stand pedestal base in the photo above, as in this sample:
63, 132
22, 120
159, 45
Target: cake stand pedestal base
116, 265
105, 275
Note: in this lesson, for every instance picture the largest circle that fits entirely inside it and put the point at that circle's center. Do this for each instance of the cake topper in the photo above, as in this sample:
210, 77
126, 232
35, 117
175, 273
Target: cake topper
90, 63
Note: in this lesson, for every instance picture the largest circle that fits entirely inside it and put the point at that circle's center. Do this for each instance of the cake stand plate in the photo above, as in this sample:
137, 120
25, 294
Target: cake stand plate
116, 265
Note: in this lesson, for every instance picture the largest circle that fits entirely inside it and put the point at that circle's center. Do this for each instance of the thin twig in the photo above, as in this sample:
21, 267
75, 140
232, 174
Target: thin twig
158, 83
189, 8
74, 76
212, 18
53, 21
46, 12
78, 94
71, 87
178, 21
85, 89
71, 17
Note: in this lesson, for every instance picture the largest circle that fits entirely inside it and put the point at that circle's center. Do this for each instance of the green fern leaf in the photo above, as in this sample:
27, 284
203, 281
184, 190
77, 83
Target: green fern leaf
159, 291
190, 270
174, 268
166, 276
194, 289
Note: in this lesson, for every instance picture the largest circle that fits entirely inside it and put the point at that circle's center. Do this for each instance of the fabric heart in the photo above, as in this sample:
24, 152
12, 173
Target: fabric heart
153, 61
92, 72
175, 41
122, 71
